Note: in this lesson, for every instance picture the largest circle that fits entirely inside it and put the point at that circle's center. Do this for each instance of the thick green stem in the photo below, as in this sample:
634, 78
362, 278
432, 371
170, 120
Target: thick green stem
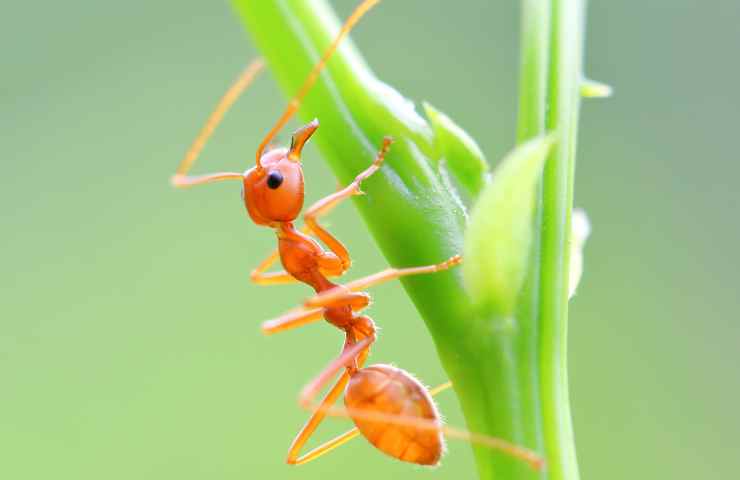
356, 111
500, 366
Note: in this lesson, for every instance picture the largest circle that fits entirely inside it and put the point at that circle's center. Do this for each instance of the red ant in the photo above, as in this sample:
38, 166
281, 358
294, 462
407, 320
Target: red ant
389, 407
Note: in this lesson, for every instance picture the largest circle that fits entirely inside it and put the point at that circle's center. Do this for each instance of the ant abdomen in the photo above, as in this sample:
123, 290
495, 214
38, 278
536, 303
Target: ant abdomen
388, 392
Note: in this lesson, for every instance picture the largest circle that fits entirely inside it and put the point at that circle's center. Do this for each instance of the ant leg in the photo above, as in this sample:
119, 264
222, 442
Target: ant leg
350, 352
533, 459
259, 276
272, 278
180, 178
323, 206
294, 319
303, 316
355, 300
316, 418
353, 433
328, 266
334, 295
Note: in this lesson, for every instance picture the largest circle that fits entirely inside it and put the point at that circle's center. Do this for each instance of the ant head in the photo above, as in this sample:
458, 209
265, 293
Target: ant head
273, 190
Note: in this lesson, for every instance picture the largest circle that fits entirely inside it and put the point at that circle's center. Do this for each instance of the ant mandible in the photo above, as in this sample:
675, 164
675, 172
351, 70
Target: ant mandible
389, 407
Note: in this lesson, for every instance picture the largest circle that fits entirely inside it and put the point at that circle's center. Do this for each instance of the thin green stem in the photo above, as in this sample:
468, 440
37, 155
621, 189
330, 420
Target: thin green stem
562, 116
534, 48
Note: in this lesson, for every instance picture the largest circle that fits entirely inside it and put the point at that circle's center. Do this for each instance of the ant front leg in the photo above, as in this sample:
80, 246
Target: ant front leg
348, 356
323, 206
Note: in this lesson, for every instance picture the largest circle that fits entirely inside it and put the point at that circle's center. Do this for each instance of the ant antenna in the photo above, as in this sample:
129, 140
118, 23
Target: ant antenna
295, 103
180, 179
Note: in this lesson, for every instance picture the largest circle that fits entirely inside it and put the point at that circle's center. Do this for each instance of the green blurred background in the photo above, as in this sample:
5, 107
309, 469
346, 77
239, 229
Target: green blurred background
129, 340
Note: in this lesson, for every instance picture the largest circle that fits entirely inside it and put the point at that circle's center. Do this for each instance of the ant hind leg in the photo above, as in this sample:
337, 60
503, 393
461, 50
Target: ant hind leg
345, 437
351, 353
535, 461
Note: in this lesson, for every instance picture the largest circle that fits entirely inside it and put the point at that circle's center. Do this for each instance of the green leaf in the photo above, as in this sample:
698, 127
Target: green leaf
499, 237
462, 154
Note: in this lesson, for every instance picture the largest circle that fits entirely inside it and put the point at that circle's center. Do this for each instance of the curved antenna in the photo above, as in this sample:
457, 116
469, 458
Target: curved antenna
295, 103
180, 178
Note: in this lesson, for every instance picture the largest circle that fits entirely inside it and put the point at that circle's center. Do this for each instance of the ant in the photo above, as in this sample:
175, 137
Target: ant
389, 407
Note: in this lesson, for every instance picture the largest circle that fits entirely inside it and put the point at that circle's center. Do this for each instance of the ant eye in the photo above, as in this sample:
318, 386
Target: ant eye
274, 179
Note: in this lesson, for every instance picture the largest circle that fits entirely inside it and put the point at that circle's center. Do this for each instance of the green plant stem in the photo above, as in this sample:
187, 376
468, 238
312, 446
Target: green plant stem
534, 48
562, 116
